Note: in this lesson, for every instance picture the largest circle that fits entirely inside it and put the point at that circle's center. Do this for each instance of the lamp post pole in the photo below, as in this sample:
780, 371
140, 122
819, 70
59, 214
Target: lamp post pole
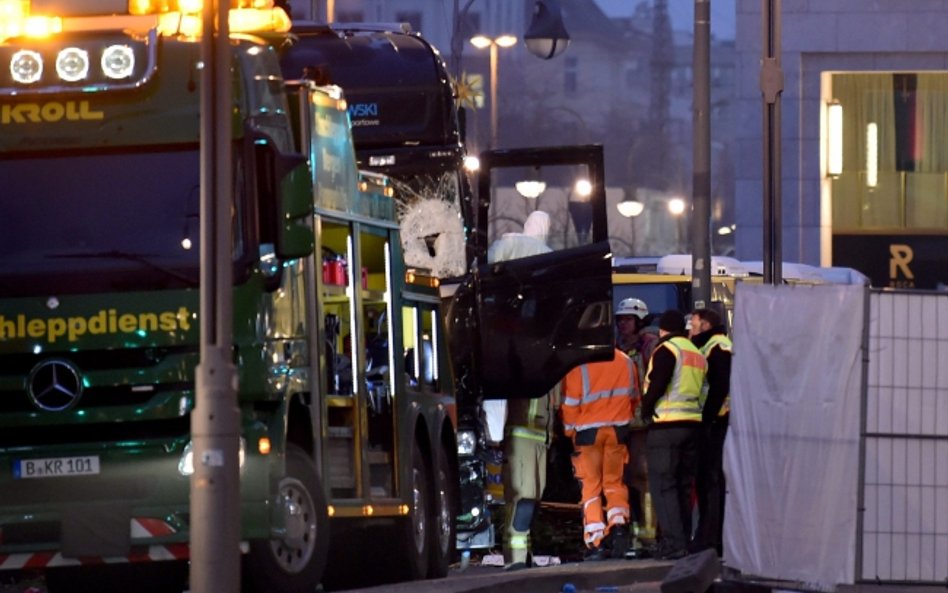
492, 43
771, 87
493, 94
215, 419
701, 176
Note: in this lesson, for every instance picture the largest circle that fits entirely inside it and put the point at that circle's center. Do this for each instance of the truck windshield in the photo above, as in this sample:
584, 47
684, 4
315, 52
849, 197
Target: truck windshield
99, 221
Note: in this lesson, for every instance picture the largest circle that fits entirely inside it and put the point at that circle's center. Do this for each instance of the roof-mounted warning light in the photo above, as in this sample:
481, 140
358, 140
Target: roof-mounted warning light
16, 21
183, 17
174, 18
43, 54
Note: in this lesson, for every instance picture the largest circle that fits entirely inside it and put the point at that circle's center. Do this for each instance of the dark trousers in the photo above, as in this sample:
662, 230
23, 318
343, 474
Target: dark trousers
710, 486
672, 453
635, 474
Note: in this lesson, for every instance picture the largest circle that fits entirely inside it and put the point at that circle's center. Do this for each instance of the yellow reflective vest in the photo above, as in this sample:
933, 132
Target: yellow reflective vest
724, 343
683, 397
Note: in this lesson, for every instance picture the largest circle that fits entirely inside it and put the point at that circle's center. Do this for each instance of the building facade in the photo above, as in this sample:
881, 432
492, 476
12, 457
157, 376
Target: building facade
864, 116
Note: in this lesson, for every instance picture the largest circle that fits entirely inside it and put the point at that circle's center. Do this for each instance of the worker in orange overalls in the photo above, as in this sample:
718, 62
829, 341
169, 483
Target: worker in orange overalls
598, 403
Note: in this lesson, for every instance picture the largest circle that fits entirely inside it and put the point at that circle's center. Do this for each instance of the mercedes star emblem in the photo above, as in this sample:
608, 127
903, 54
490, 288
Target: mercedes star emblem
54, 385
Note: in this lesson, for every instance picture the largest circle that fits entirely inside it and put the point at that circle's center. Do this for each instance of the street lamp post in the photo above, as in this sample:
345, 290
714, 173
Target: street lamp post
480, 42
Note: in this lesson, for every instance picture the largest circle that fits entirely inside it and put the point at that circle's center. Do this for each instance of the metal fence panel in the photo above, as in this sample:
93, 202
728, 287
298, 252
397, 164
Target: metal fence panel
904, 490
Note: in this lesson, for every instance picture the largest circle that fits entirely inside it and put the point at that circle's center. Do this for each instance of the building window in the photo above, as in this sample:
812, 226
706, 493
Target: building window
895, 168
570, 75
412, 17
632, 74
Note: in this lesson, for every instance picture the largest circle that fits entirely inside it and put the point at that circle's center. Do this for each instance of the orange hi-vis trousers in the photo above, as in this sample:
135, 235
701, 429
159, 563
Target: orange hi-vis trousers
598, 467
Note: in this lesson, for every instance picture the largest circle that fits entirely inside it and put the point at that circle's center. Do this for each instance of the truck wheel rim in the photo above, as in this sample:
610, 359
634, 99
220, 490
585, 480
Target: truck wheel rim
294, 550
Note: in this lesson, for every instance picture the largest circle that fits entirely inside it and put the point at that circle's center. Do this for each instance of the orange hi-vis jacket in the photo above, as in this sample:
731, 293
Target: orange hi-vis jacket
599, 394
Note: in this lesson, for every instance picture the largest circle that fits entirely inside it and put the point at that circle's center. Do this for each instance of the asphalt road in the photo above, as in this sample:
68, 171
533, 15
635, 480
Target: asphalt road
611, 576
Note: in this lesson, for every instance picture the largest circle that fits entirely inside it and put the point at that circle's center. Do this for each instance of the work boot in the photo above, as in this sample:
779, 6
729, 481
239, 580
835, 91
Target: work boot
674, 554
620, 540
640, 553
666, 551
517, 562
637, 551
594, 554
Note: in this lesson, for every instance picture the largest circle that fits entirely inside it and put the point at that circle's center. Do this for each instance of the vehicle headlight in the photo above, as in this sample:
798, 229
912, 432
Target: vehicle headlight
72, 64
118, 61
26, 66
467, 442
186, 463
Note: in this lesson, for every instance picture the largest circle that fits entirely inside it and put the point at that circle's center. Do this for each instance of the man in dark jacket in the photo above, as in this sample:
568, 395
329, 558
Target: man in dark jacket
672, 403
709, 335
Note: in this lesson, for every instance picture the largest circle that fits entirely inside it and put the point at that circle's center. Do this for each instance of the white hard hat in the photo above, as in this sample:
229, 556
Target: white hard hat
632, 306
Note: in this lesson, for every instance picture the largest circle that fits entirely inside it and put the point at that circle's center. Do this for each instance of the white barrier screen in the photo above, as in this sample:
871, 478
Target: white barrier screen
792, 451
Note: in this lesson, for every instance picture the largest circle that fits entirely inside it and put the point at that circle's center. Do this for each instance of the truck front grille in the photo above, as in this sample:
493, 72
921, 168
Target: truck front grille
63, 434
95, 397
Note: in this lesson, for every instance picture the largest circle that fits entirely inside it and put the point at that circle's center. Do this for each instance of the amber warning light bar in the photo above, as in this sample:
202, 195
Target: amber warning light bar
55, 53
18, 18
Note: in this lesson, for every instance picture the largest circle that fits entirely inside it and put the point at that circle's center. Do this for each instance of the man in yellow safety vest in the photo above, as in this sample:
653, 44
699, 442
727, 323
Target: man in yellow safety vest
526, 439
672, 403
709, 335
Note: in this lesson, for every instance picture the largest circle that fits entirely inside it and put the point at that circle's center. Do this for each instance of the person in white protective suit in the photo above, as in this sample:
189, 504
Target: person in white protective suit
532, 241
527, 422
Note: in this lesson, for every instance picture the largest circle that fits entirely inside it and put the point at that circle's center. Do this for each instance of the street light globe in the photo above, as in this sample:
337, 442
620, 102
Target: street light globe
506, 41
546, 49
546, 37
472, 163
530, 188
676, 206
583, 188
481, 41
630, 208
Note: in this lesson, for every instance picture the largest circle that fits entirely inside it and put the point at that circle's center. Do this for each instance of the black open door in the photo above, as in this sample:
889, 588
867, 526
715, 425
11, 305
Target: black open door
518, 326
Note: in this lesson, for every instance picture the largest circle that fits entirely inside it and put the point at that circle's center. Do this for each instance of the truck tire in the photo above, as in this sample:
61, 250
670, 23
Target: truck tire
444, 528
417, 524
295, 563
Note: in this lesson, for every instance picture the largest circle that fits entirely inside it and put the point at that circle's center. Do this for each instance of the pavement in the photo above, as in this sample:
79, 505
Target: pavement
582, 575
619, 576
615, 576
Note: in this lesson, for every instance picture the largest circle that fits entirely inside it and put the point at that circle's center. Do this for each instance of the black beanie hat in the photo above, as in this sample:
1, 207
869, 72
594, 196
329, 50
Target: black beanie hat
672, 321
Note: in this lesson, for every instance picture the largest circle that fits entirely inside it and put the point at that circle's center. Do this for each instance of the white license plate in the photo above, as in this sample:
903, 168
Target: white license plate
55, 467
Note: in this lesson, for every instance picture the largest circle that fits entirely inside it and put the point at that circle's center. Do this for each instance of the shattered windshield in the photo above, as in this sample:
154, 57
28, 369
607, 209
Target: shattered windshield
95, 221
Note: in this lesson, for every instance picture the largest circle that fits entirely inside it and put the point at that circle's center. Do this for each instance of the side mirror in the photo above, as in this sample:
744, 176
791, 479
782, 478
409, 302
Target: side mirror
294, 236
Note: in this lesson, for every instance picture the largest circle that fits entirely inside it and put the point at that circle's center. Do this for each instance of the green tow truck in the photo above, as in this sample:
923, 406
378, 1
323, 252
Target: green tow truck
346, 381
